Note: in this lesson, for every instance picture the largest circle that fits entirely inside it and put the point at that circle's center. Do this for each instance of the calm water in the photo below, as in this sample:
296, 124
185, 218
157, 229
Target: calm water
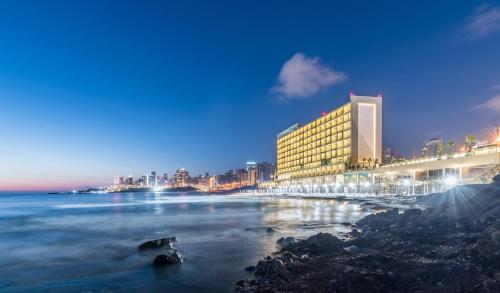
62, 243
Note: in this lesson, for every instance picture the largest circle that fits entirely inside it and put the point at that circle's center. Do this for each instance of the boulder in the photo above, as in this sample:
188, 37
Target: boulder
323, 242
158, 243
167, 259
273, 268
379, 220
286, 243
289, 257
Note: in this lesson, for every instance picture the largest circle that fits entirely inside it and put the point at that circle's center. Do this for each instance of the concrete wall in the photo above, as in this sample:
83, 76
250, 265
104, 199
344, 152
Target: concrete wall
366, 138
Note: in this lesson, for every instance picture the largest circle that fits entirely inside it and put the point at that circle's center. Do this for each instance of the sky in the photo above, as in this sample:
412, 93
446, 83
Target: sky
94, 89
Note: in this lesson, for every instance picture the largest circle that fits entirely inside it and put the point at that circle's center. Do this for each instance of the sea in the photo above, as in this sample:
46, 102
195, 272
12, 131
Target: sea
88, 242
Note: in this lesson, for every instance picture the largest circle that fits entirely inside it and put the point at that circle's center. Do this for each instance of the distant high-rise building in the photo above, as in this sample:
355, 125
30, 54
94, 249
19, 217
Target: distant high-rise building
387, 156
212, 183
130, 180
153, 180
431, 147
118, 180
241, 177
164, 179
181, 178
265, 171
252, 173
252, 176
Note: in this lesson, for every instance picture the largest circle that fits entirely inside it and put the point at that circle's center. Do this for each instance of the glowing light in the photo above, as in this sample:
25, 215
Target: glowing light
366, 184
351, 185
337, 184
406, 182
451, 180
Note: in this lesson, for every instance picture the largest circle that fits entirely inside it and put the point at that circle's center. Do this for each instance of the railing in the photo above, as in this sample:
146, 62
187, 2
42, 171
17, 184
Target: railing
474, 152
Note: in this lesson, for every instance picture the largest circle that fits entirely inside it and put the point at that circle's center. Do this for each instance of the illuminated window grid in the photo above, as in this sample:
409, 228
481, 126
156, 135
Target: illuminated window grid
320, 147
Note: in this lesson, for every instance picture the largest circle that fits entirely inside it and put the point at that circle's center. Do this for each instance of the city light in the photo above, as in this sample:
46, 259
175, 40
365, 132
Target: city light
451, 180
406, 182
366, 184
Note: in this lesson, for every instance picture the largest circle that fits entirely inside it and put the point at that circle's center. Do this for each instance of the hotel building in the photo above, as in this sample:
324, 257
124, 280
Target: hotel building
341, 139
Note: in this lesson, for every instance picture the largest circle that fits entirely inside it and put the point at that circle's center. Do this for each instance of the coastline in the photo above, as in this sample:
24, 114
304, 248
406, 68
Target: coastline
451, 243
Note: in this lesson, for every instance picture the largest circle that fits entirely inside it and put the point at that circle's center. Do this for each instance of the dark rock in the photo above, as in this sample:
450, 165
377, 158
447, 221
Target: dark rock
286, 243
289, 257
270, 230
273, 268
352, 249
250, 268
158, 243
453, 245
243, 283
412, 212
488, 248
323, 242
167, 259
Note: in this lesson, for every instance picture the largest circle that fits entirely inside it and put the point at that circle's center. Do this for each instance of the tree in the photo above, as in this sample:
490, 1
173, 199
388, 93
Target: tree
469, 141
441, 149
450, 146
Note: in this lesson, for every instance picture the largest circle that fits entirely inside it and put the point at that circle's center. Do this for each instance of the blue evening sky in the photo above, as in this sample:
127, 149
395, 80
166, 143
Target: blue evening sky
93, 89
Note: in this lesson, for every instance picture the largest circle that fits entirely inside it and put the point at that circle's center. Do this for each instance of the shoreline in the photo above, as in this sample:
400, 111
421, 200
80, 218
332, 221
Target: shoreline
450, 243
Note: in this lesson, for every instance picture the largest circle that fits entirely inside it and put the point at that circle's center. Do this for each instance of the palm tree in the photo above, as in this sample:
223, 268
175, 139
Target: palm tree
441, 149
469, 141
450, 146
370, 162
364, 160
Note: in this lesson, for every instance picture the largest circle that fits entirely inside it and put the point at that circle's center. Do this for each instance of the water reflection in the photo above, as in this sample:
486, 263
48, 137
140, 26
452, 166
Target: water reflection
78, 243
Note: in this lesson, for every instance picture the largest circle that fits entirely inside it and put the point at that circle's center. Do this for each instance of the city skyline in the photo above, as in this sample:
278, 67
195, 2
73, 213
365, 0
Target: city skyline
148, 90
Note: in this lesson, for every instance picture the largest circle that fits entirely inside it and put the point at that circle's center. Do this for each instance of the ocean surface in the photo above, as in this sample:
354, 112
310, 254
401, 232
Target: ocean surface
88, 242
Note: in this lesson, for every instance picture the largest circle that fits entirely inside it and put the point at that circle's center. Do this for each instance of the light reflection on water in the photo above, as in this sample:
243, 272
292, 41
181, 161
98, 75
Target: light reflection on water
89, 242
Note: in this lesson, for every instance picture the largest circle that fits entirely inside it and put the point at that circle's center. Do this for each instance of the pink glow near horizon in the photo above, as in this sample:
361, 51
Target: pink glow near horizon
48, 184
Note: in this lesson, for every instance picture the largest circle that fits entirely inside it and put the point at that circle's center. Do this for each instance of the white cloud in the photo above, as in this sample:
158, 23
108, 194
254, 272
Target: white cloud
484, 21
302, 77
492, 105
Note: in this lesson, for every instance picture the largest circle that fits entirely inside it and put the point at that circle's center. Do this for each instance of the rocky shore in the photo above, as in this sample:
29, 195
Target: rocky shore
451, 244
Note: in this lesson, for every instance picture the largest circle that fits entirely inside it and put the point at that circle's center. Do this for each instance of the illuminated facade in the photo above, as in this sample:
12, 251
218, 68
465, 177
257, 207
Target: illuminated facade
342, 138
